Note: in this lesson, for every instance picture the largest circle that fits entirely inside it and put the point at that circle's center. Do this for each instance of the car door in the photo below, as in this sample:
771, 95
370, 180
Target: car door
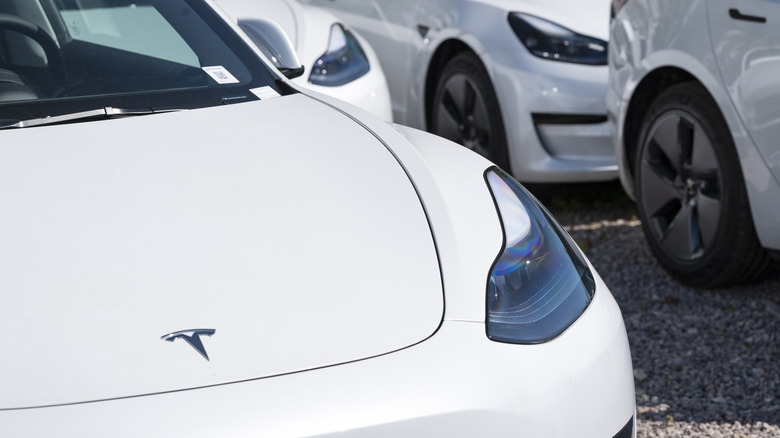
389, 27
746, 40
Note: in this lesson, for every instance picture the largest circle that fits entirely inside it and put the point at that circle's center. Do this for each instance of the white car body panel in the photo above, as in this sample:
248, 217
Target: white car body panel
748, 58
410, 391
238, 215
524, 84
308, 28
647, 48
437, 386
419, 391
145, 193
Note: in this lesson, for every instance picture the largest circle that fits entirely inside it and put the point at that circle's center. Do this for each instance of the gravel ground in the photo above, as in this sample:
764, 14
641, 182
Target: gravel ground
706, 363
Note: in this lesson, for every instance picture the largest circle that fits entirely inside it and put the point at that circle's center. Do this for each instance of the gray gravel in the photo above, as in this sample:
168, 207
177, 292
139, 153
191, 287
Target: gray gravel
706, 363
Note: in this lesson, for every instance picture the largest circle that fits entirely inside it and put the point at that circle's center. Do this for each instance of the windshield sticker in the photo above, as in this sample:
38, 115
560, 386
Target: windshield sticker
264, 93
220, 74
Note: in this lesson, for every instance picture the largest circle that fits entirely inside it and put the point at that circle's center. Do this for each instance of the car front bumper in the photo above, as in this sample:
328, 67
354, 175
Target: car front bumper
555, 118
456, 383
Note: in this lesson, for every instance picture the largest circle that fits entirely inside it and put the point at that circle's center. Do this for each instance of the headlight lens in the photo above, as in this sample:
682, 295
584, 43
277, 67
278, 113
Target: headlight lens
548, 40
540, 283
343, 62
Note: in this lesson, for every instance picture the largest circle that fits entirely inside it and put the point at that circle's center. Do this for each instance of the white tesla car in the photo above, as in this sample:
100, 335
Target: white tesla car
694, 97
520, 82
191, 246
336, 60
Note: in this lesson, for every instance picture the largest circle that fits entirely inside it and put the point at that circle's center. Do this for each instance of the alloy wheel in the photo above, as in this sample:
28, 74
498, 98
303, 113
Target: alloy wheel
461, 115
681, 186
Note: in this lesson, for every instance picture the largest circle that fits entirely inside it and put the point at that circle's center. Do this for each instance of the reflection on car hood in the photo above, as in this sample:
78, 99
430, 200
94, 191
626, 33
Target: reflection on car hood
282, 225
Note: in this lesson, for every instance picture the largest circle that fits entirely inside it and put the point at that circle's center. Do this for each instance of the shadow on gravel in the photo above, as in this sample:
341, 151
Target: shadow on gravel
706, 363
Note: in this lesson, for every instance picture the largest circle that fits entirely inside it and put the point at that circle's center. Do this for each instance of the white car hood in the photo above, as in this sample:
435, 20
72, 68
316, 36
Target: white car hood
299, 240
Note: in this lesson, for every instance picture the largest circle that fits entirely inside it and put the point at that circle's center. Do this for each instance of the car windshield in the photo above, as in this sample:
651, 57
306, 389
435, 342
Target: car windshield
69, 56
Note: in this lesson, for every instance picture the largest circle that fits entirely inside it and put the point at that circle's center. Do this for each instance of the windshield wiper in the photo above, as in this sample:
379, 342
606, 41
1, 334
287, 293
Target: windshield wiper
106, 112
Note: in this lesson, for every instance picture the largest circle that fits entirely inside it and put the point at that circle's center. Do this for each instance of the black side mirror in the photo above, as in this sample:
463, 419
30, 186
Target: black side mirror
271, 39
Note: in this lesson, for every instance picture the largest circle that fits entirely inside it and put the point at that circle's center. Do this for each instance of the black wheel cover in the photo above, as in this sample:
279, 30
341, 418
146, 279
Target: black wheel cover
691, 193
680, 185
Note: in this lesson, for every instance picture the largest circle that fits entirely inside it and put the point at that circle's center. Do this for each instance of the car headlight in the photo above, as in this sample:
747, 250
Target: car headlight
343, 62
548, 40
540, 283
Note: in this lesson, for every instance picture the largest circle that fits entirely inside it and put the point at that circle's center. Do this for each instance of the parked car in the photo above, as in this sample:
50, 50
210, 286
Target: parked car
693, 101
337, 60
520, 82
192, 245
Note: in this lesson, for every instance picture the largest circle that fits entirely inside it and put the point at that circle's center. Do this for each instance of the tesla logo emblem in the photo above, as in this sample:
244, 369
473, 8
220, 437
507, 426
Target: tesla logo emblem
192, 337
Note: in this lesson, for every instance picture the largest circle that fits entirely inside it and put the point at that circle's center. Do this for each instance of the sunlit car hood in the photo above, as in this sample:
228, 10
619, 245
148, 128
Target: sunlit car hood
300, 248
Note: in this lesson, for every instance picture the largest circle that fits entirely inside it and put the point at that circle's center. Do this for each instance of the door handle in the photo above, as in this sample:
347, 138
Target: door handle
735, 14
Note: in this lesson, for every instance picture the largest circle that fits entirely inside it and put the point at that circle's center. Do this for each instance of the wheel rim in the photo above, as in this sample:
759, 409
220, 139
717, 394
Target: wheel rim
461, 115
681, 188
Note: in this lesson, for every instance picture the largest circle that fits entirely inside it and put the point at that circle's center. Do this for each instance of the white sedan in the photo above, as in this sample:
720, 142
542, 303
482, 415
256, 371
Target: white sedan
337, 61
192, 246
694, 97
520, 82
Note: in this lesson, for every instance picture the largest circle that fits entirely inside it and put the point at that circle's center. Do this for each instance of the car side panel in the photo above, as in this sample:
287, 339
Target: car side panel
746, 36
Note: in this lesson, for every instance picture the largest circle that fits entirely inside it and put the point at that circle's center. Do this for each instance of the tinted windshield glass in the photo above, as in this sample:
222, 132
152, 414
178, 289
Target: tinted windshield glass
62, 56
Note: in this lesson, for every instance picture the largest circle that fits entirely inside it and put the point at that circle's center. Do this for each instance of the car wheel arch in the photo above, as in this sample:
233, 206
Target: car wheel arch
646, 91
478, 125
442, 55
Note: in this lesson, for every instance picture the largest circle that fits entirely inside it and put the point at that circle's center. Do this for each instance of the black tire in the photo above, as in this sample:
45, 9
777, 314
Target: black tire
691, 193
465, 109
